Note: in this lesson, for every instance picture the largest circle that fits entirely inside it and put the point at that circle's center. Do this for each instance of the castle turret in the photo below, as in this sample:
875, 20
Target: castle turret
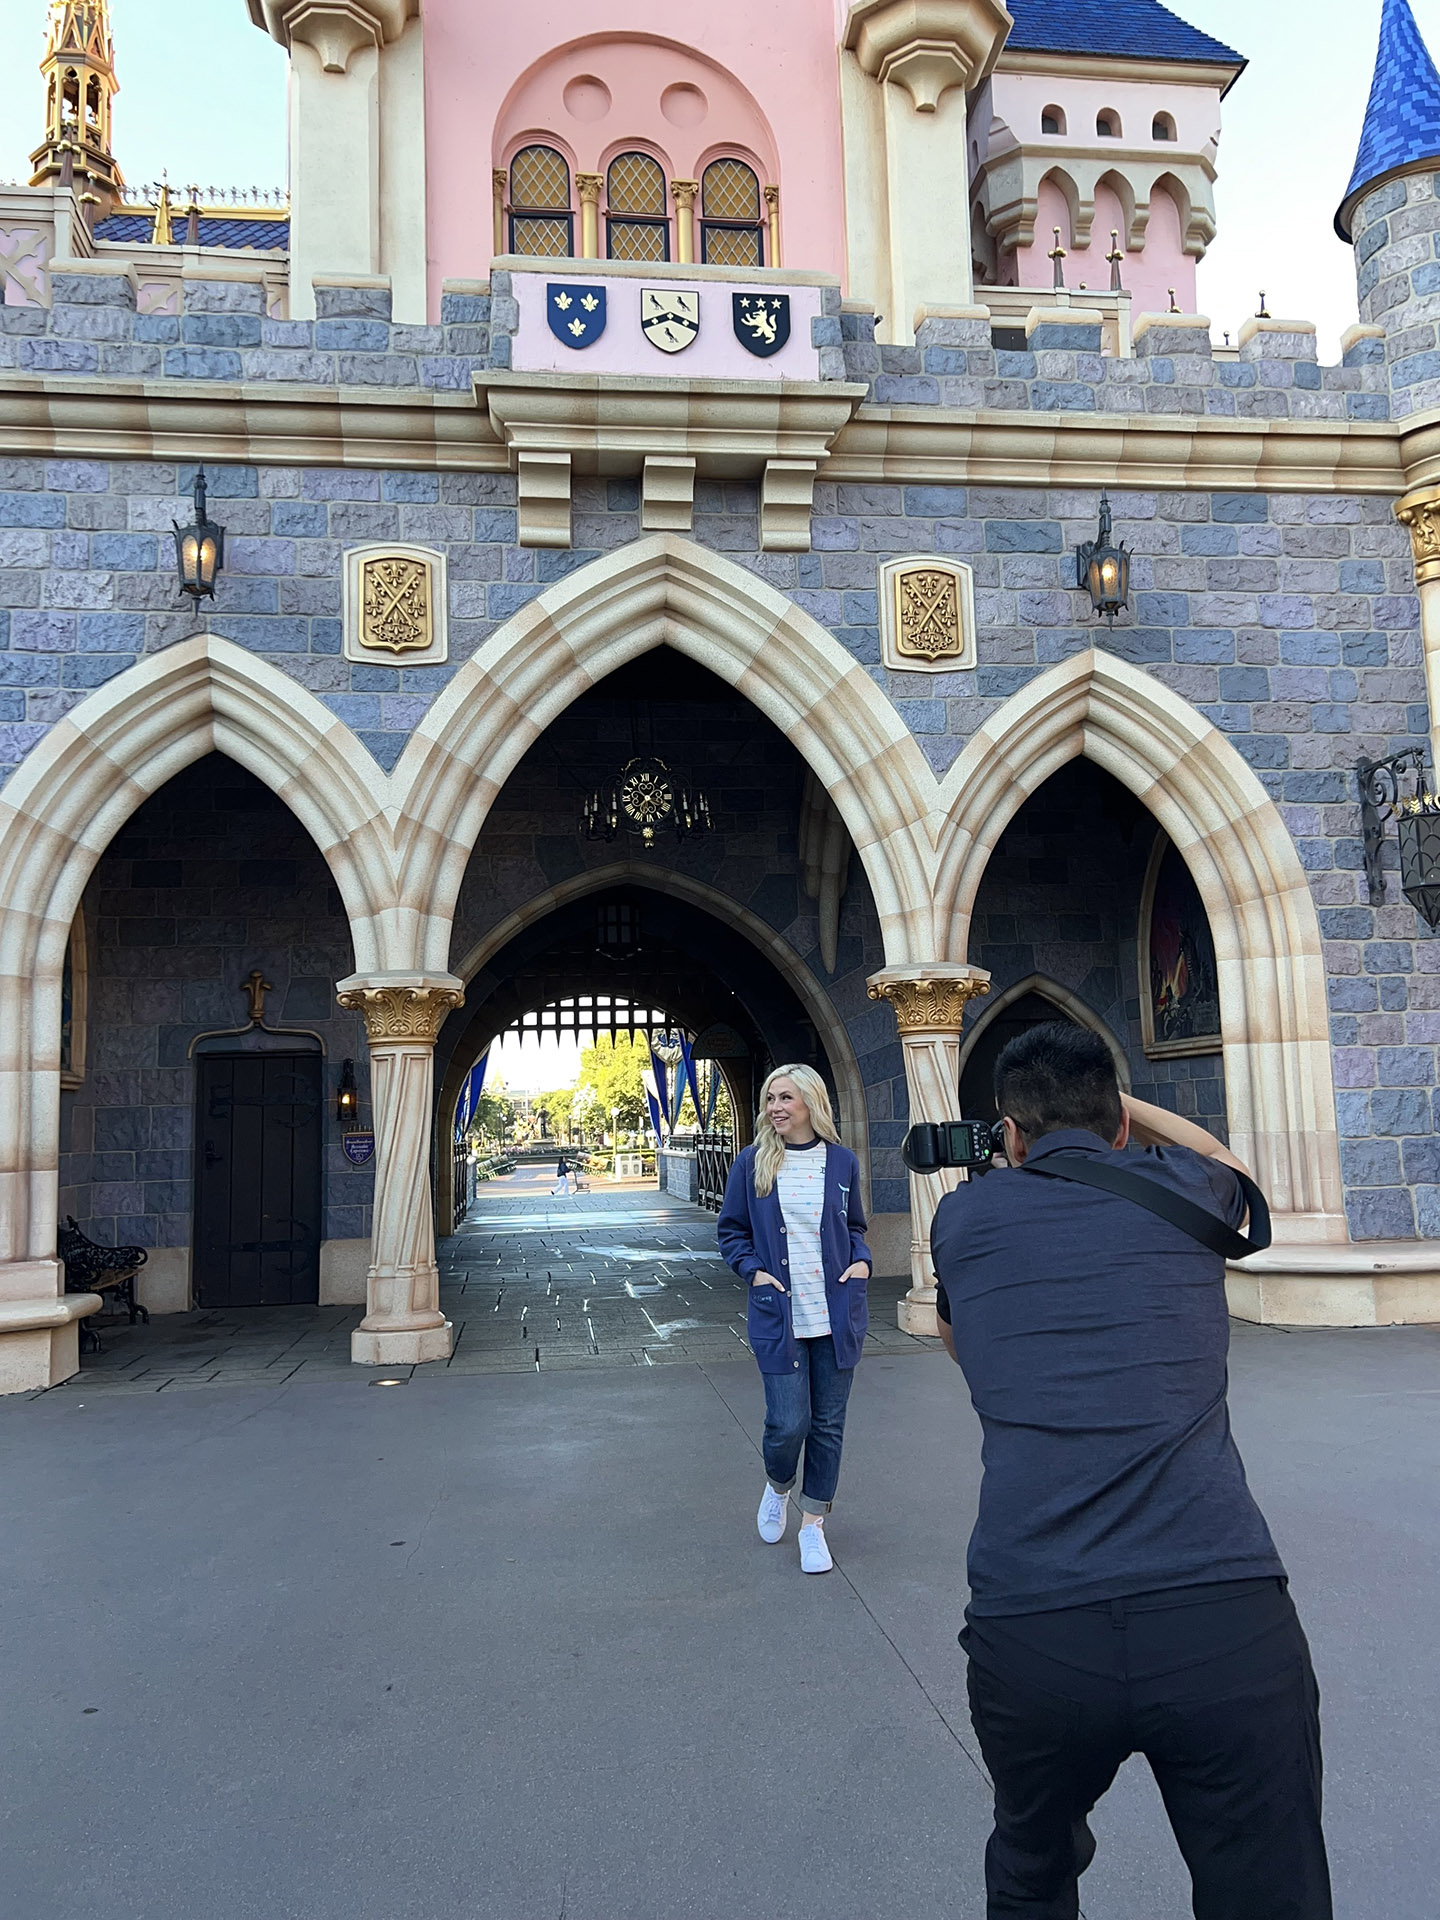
1391, 211
80, 88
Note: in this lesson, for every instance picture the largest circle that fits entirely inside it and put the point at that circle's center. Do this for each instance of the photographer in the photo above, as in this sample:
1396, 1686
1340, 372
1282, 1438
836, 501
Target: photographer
1125, 1592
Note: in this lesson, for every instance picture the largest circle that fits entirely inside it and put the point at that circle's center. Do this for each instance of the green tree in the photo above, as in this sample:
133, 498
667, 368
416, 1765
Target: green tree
611, 1071
556, 1108
494, 1113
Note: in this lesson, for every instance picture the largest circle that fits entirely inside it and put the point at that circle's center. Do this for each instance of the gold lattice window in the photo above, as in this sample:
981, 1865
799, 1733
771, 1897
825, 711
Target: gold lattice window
731, 228
540, 217
636, 184
636, 223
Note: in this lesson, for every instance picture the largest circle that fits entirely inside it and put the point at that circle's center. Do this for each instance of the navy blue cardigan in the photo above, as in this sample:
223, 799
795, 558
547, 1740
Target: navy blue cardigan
751, 1232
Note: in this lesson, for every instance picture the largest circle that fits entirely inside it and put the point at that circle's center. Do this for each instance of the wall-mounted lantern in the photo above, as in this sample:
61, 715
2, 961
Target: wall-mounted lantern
199, 549
1417, 818
347, 1100
1102, 567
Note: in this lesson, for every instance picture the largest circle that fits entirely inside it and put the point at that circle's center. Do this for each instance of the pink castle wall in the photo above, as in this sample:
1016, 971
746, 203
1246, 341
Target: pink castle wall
767, 74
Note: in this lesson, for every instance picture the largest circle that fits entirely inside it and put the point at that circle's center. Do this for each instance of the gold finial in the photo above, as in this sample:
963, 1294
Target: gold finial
1115, 256
1173, 308
257, 986
162, 235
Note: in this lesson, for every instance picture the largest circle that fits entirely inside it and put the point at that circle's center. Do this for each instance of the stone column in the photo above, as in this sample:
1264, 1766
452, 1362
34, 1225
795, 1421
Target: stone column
500, 186
1419, 514
906, 66
403, 1014
590, 186
929, 1005
683, 193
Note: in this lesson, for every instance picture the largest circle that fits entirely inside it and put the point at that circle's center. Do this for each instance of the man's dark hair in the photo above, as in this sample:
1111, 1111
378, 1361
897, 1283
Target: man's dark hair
1058, 1075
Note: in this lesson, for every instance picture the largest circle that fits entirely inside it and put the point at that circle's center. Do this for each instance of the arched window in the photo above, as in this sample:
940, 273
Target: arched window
1052, 120
540, 217
732, 232
1107, 124
1162, 128
637, 220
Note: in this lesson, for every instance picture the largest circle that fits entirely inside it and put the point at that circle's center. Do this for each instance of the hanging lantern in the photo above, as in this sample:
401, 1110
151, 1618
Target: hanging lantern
199, 549
1102, 567
1418, 829
347, 1100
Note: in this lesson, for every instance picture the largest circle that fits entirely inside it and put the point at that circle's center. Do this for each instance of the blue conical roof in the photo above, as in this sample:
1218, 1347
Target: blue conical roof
1402, 121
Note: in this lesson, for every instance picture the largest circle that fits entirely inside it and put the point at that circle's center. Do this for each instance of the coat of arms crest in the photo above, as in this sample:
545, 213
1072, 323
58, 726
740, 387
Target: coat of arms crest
576, 314
669, 320
762, 322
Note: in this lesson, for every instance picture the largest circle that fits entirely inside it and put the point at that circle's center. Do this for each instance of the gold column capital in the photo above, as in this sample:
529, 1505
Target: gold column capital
402, 1010
1419, 514
590, 186
683, 192
929, 1000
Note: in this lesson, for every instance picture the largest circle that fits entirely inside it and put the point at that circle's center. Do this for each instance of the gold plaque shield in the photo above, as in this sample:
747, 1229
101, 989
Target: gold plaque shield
928, 623
396, 615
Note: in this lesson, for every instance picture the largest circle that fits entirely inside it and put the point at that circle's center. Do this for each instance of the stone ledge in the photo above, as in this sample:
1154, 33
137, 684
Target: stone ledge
1376, 1283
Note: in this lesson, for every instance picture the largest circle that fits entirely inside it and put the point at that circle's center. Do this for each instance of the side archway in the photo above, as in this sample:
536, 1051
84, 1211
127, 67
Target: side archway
1065, 1003
1273, 1006
665, 590
62, 808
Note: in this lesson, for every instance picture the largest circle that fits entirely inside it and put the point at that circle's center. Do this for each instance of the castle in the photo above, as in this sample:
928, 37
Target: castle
602, 421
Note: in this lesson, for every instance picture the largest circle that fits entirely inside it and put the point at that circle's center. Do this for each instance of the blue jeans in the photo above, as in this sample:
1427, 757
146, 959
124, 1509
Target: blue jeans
806, 1408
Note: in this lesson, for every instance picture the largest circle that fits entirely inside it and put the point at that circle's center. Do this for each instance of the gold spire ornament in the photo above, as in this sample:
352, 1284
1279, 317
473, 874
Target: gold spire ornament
78, 67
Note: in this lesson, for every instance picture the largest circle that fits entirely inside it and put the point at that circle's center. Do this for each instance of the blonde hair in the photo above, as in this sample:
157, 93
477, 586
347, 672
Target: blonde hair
769, 1147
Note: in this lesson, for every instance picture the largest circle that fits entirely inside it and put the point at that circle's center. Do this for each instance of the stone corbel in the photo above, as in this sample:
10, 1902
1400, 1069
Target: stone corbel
667, 493
787, 494
927, 46
543, 497
336, 29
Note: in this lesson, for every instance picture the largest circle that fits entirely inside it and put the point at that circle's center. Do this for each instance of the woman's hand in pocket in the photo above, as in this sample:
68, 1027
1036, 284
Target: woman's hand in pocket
857, 1271
762, 1279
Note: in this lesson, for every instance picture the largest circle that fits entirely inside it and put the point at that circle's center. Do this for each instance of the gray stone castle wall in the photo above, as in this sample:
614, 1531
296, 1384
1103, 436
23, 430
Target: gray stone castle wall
1396, 231
1290, 620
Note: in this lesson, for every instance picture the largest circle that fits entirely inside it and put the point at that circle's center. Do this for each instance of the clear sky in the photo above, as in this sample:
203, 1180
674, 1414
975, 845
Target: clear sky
203, 94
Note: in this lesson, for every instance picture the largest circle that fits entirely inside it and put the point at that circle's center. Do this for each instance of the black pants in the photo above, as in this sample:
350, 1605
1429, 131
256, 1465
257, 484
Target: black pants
1214, 1686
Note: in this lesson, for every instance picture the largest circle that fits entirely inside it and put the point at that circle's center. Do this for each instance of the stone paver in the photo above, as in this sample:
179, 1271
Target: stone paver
609, 1278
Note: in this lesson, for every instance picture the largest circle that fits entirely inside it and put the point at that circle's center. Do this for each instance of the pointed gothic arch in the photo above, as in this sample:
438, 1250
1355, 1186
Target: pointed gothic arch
1066, 1004
1274, 1011
665, 590
73, 793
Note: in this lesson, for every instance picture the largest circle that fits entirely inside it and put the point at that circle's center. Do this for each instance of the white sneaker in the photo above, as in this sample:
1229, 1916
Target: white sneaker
774, 1511
814, 1553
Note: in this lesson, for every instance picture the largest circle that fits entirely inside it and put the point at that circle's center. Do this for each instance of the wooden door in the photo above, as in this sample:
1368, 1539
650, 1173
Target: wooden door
257, 1179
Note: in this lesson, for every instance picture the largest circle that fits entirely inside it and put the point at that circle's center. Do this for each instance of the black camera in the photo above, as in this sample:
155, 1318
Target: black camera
952, 1143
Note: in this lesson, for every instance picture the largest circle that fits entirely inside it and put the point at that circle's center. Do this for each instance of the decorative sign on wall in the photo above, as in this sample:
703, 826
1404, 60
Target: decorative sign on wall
1179, 981
669, 319
927, 614
394, 605
359, 1146
669, 322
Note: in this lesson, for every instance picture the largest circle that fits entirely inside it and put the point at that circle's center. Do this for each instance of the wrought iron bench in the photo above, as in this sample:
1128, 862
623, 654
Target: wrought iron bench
90, 1268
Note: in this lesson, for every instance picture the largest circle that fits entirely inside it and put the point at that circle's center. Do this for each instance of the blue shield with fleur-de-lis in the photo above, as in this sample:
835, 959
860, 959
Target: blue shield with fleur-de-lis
576, 314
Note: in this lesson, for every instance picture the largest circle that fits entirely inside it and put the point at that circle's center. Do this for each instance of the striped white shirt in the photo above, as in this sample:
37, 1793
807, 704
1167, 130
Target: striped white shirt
800, 1185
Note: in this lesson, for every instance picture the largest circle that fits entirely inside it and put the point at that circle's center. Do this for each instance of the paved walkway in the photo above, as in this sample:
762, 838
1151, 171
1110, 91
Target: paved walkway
608, 1278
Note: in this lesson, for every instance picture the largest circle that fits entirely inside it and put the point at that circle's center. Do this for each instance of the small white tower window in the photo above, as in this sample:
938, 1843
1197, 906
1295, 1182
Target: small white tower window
1052, 120
1163, 127
1107, 124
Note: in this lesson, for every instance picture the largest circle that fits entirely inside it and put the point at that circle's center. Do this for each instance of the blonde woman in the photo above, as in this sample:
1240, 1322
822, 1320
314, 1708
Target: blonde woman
793, 1227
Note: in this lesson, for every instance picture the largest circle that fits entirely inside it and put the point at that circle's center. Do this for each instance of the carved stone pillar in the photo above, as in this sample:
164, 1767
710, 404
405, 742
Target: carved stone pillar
772, 221
683, 193
403, 1014
500, 186
929, 1005
590, 186
1419, 514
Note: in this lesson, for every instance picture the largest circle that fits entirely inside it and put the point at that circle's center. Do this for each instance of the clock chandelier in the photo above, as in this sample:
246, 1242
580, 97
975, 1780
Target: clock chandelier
645, 800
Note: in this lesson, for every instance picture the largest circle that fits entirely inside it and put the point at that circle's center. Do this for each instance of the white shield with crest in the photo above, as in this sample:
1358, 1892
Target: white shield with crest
669, 320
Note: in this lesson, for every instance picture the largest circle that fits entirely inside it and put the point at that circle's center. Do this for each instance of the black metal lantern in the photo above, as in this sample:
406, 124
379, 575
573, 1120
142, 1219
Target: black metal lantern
1417, 818
347, 1100
1102, 567
199, 549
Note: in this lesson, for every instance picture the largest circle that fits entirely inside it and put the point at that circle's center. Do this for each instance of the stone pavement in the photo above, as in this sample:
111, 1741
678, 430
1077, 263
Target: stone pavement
612, 1277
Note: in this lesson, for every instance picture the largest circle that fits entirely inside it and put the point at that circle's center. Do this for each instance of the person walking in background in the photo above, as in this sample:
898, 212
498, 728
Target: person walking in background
562, 1176
792, 1226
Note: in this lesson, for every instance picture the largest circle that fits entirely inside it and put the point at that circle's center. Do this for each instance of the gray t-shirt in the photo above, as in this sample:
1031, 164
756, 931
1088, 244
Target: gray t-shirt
1094, 1339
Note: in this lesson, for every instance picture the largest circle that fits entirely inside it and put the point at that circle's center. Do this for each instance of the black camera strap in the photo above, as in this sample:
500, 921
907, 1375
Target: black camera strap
1201, 1225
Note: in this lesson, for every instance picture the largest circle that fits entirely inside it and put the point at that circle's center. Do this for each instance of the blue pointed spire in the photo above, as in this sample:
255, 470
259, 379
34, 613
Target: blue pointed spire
1402, 121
